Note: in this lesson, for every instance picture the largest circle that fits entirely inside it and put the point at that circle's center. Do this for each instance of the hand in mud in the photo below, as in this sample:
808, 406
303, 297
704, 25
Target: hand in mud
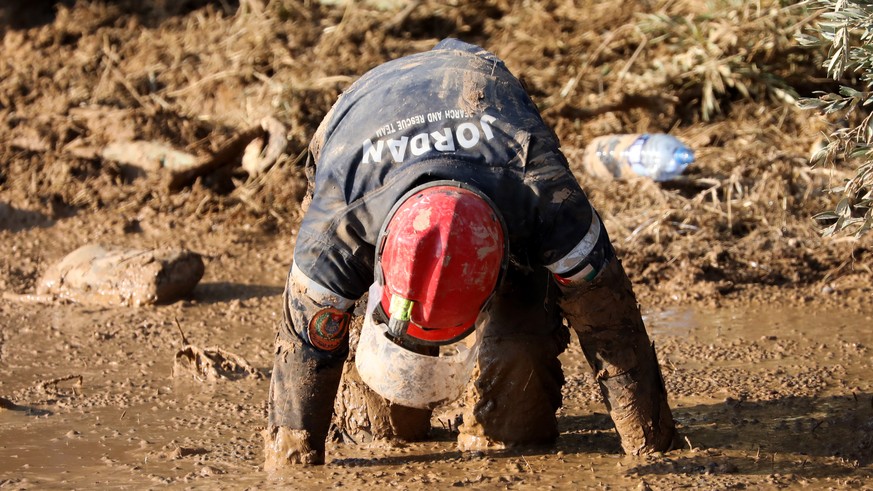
285, 448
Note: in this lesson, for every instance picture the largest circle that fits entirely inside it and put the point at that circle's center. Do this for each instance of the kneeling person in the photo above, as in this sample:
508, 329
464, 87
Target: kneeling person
437, 183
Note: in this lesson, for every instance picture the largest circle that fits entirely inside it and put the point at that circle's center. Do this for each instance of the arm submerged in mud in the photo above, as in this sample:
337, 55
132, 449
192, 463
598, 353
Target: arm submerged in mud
605, 314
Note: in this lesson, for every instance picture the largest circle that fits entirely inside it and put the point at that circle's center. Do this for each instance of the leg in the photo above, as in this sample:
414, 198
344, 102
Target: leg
305, 378
362, 415
301, 397
517, 388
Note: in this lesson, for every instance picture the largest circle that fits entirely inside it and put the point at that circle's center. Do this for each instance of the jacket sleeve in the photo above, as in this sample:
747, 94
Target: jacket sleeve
571, 239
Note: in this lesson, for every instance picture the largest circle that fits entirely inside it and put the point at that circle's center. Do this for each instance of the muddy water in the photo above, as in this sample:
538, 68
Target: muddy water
765, 398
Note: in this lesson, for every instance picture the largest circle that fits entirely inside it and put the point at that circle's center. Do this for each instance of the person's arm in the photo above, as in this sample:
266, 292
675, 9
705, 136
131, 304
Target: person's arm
599, 303
311, 346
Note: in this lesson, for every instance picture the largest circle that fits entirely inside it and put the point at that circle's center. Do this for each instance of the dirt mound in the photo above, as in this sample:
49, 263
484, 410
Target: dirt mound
83, 76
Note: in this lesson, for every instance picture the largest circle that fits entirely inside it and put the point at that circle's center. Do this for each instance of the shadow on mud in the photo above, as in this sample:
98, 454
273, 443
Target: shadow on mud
16, 220
6, 404
209, 293
738, 437
776, 436
20, 14
589, 434
840, 426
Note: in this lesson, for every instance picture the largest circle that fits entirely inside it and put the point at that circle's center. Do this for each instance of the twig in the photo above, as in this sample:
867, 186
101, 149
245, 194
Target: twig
197, 83
527, 463
398, 20
634, 56
179, 326
225, 156
45, 383
29, 297
690, 447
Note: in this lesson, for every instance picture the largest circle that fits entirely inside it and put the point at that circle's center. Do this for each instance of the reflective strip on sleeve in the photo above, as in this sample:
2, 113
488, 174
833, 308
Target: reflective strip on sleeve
579, 253
318, 293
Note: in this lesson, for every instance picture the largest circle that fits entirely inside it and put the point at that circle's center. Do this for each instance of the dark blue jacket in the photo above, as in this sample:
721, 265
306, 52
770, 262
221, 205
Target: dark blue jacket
454, 112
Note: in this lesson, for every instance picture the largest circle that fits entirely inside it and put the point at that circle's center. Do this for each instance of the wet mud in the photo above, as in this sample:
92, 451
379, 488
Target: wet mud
764, 397
762, 326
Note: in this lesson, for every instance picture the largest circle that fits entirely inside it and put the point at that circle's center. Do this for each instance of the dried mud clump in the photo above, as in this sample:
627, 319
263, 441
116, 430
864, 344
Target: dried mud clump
99, 275
212, 364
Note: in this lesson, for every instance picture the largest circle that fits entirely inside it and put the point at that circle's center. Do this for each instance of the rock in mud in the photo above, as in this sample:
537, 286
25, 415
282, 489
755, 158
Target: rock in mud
101, 275
212, 364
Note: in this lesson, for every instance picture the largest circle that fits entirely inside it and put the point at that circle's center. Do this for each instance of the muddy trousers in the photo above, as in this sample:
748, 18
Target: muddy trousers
302, 392
517, 384
516, 388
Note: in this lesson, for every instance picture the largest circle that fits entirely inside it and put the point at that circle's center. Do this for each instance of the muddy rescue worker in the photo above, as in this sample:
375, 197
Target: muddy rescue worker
437, 183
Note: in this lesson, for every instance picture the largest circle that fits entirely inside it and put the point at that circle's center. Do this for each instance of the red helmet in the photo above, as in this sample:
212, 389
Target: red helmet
442, 252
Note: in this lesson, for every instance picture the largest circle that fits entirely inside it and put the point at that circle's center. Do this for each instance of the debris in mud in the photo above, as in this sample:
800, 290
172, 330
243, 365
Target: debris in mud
255, 149
212, 364
148, 157
179, 452
258, 155
243, 149
102, 275
51, 386
8, 405
207, 471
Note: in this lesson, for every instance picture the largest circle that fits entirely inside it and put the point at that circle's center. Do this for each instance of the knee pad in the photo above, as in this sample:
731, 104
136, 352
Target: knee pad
317, 316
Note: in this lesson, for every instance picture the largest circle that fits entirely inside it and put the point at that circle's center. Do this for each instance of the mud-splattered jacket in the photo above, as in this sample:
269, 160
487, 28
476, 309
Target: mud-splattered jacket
454, 112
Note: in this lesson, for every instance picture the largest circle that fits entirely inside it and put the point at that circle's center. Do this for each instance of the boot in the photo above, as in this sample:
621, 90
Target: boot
607, 318
302, 393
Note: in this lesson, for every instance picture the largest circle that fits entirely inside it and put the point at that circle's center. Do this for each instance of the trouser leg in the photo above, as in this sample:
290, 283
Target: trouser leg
304, 380
517, 385
362, 415
300, 401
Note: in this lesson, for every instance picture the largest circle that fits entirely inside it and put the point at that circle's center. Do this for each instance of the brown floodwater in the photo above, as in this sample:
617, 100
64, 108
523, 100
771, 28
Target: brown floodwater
765, 397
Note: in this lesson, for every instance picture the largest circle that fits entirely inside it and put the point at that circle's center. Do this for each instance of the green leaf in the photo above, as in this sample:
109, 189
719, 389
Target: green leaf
849, 92
811, 103
825, 215
843, 209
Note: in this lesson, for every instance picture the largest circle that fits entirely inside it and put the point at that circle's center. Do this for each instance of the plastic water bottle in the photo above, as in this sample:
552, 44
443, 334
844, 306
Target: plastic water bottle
657, 156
